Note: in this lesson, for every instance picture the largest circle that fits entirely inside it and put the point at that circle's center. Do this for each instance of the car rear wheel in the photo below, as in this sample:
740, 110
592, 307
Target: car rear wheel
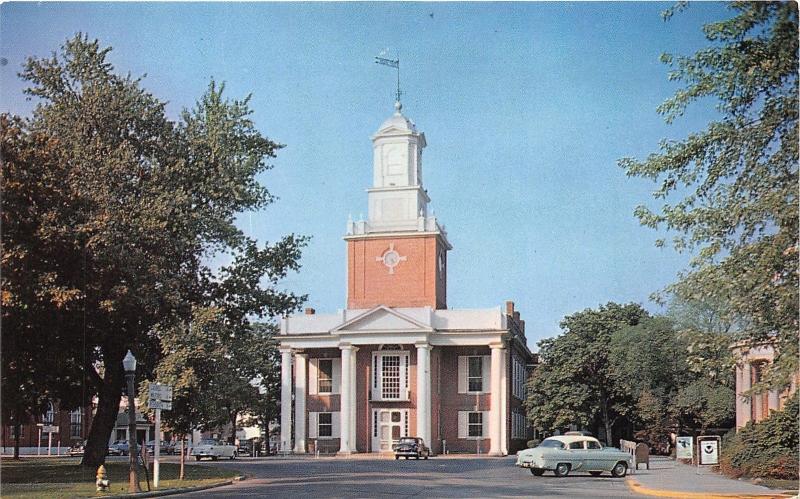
396, 458
562, 469
537, 471
619, 470
196, 458
595, 473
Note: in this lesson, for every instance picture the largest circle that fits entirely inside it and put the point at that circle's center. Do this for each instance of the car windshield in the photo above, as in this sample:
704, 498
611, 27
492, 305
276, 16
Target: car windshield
208, 441
552, 443
408, 440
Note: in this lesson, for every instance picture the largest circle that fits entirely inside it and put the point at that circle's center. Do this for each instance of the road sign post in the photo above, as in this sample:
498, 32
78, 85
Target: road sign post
159, 397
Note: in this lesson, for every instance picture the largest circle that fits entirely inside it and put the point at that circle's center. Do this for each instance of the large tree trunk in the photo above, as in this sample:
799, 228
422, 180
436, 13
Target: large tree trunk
105, 418
606, 422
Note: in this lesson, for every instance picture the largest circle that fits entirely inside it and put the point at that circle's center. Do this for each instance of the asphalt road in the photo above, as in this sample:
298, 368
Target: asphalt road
437, 477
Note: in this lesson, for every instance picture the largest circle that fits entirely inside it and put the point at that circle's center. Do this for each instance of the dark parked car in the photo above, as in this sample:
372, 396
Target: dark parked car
409, 447
120, 448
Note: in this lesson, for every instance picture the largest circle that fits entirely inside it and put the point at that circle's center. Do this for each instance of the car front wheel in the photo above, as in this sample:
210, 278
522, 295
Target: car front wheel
196, 458
537, 471
562, 469
619, 470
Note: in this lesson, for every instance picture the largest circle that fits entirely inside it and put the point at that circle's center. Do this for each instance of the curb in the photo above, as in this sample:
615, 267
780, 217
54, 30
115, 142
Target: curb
185, 490
638, 488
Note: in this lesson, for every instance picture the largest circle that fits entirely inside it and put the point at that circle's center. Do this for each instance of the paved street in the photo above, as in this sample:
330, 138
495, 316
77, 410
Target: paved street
438, 477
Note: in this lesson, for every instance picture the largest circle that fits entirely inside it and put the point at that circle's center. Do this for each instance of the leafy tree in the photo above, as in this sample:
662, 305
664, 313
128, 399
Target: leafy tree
653, 362
32, 178
145, 203
574, 385
731, 189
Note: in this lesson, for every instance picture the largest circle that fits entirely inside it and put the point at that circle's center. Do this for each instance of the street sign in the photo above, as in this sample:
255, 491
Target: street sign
685, 448
160, 404
709, 450
50, 429
160, 397
160, 392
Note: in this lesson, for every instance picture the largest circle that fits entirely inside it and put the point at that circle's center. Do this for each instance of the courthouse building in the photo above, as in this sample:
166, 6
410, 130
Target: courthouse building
397, 362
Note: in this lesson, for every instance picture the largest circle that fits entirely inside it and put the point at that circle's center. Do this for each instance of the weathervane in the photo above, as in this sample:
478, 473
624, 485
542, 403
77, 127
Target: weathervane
392, 63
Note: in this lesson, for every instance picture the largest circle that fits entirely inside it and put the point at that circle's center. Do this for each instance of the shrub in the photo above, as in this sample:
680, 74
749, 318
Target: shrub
767, 449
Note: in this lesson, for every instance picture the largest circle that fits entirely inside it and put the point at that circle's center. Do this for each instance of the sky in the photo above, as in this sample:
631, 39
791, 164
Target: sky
526, 108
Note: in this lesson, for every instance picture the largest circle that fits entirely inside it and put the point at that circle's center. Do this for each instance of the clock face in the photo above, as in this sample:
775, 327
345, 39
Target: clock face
391, 258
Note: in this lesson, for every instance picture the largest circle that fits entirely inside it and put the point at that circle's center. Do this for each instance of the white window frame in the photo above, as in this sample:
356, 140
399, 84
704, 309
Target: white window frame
463, 425
320, 424
463, 374
377, 375
470, 424
313, 376
319, 377
313, 425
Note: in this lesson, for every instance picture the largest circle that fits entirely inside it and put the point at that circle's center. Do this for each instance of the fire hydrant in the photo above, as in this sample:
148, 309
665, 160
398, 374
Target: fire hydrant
102, 479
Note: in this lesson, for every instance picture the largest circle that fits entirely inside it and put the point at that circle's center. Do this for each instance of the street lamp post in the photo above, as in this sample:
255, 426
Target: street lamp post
129, 363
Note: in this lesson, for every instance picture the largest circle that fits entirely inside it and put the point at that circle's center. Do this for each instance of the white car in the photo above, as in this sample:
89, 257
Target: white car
567, 453
213, 449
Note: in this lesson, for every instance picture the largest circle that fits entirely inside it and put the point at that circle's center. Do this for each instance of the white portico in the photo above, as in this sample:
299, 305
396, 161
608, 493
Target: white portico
416, 335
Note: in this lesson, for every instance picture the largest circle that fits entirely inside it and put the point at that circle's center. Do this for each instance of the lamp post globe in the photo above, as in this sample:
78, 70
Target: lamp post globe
129, 364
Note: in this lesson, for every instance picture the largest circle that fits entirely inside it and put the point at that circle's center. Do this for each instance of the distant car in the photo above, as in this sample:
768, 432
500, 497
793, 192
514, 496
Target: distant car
76, 449
165, 447
120, 448
567, 453
213, 449
246, 447
409, 447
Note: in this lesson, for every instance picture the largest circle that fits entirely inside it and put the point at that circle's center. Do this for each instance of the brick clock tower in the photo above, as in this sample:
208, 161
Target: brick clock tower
398, 256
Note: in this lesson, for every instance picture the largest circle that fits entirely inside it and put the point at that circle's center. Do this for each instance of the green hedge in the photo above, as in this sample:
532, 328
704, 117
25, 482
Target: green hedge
767, 449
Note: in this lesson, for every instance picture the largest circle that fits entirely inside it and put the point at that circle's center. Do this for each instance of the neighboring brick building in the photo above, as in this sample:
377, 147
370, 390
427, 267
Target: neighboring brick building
751, 364
73, 427
397, 362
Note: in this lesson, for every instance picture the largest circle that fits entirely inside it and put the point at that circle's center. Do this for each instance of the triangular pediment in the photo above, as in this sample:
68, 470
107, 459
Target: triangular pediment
382, 319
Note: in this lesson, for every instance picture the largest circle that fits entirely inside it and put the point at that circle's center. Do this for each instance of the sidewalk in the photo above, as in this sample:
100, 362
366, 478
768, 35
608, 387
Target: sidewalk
668, 478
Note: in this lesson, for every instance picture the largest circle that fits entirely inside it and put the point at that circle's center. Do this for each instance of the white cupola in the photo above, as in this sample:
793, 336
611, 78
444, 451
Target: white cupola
397, 198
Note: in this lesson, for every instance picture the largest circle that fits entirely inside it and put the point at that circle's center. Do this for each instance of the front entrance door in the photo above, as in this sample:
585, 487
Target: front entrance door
388, 425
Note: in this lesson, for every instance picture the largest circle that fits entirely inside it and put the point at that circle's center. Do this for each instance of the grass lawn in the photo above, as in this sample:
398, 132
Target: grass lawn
34, 477
788, 485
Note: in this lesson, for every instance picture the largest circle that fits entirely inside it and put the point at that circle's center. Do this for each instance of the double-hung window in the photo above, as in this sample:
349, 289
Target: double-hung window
475, 424
325, 376
325, 424
475, 374
75, 423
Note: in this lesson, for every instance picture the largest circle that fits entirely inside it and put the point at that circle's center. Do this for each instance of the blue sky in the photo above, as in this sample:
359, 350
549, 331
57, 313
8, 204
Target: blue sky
526, 107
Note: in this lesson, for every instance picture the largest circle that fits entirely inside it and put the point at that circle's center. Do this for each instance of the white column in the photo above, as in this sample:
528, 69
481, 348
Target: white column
345, 398
353, 400
300, 390
504, 404
745, 402
424, 393
286, 399
495, 400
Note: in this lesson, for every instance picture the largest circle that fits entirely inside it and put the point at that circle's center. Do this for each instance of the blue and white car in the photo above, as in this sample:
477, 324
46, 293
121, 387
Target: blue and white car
568, 453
